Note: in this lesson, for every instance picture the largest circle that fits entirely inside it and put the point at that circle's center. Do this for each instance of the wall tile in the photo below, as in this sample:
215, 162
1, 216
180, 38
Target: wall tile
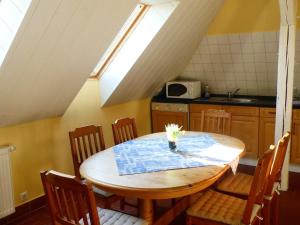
247, 61
257, 37
234, 38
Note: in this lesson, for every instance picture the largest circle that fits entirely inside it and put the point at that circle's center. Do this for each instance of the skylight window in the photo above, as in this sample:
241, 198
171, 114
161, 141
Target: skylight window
120, 39
136, 44
12, 13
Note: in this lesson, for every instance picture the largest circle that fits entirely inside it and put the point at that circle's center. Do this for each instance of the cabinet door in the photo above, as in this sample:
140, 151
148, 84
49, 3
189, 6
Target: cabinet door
162, 118
295, 154
266, 133
246, 129
196, 113
195, 121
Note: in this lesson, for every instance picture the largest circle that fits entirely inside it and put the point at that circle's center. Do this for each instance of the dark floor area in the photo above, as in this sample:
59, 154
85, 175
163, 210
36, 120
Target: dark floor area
289, 207
289, 212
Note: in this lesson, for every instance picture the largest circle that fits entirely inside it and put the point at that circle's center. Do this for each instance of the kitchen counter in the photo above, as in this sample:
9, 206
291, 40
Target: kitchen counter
255, 101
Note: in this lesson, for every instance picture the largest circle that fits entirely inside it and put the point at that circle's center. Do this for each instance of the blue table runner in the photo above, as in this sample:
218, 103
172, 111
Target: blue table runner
153, 154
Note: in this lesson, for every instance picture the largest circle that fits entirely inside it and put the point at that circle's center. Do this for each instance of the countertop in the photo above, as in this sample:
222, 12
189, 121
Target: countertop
257, 101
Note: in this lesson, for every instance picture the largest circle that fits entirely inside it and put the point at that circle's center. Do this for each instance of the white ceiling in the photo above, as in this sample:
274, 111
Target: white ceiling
60, 42
168, 53
54, 51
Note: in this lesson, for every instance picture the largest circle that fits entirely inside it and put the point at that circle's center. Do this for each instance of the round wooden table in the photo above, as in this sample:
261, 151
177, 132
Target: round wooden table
101, 170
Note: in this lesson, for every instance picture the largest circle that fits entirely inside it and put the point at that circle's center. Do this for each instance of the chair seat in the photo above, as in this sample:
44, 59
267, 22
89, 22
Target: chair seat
237, 184
221, 208
111, 217
241, 184
101, 192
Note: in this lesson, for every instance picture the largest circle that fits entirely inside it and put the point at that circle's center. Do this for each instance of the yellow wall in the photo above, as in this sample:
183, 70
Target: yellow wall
44, 144
85, 110
238, 16
34, 143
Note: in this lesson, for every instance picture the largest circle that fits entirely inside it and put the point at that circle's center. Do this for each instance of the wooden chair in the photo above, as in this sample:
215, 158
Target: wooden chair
86, 141
124, 130
214, 208
239, 184
216, 121
71, 202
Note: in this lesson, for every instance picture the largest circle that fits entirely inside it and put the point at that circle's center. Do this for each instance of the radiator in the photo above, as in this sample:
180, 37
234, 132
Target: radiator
6, 188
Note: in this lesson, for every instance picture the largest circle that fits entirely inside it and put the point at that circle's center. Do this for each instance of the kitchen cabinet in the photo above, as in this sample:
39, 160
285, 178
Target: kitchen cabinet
165, 113
245, 126
255, 126
196, 114
295, 149
244, 123
266, 129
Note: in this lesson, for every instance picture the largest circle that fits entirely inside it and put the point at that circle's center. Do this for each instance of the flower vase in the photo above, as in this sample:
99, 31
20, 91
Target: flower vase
172, 145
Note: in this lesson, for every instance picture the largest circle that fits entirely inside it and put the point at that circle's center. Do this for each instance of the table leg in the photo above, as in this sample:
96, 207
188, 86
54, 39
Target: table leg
146, 210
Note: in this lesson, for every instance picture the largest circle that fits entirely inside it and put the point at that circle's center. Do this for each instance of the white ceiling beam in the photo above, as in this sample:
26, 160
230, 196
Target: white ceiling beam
285, 78
288, 12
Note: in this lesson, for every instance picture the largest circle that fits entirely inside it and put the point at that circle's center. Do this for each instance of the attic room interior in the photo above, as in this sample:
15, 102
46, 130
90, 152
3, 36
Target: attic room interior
149, 112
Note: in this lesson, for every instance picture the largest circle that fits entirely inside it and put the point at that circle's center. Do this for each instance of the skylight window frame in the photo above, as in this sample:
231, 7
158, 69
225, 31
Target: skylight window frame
117, 44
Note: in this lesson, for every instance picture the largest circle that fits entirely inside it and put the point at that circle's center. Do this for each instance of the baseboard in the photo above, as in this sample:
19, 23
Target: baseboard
23, 210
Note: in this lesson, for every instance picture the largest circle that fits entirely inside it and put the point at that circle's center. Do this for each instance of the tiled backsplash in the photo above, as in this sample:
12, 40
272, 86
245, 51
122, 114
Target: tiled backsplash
247, 61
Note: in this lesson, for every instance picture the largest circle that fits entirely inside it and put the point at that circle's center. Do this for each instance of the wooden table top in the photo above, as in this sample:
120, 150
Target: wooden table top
101, 169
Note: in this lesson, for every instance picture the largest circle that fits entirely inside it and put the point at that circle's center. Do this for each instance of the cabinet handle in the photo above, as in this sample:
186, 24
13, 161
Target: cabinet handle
273, 113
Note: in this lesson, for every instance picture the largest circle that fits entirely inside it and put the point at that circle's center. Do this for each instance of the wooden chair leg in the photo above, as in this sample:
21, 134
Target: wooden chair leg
266, 212
188, 220
106, 205
122, 204
275, 209
138, 207
173, 201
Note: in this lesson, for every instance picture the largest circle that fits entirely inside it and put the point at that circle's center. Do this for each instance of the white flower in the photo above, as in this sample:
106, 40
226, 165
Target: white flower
173, 131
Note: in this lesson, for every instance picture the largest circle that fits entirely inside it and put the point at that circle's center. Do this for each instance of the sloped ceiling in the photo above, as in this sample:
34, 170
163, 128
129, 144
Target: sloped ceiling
53, 53
169, 52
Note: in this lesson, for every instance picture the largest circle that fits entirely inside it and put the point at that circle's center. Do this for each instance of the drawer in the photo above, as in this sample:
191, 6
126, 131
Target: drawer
242, 110
169, 107
296, 114
199, 107
267, 112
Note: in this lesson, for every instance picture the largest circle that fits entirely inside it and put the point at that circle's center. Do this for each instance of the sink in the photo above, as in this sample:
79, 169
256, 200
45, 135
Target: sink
237, 100
242, 100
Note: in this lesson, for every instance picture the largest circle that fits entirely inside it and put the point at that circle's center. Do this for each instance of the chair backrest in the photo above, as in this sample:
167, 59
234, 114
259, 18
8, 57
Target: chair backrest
277, 164
71, 201
124, 130
259, 183
85, 141
216, 121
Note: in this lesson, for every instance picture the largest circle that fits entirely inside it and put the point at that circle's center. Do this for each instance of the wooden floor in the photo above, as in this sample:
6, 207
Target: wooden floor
289, 213
289, 207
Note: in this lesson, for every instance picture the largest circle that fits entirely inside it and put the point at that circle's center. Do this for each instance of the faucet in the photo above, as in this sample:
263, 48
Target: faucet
232, 94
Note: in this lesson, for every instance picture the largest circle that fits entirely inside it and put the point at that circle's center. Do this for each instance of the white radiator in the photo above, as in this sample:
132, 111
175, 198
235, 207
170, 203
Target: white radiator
6, 188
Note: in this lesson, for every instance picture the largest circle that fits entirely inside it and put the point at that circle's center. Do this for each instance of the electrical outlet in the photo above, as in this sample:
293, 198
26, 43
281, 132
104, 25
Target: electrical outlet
24, 196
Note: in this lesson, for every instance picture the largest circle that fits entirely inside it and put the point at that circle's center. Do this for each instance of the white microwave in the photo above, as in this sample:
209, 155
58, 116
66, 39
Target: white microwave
183, 89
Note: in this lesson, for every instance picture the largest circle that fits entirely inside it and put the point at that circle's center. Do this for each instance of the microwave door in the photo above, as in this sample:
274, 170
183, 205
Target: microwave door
176, 90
